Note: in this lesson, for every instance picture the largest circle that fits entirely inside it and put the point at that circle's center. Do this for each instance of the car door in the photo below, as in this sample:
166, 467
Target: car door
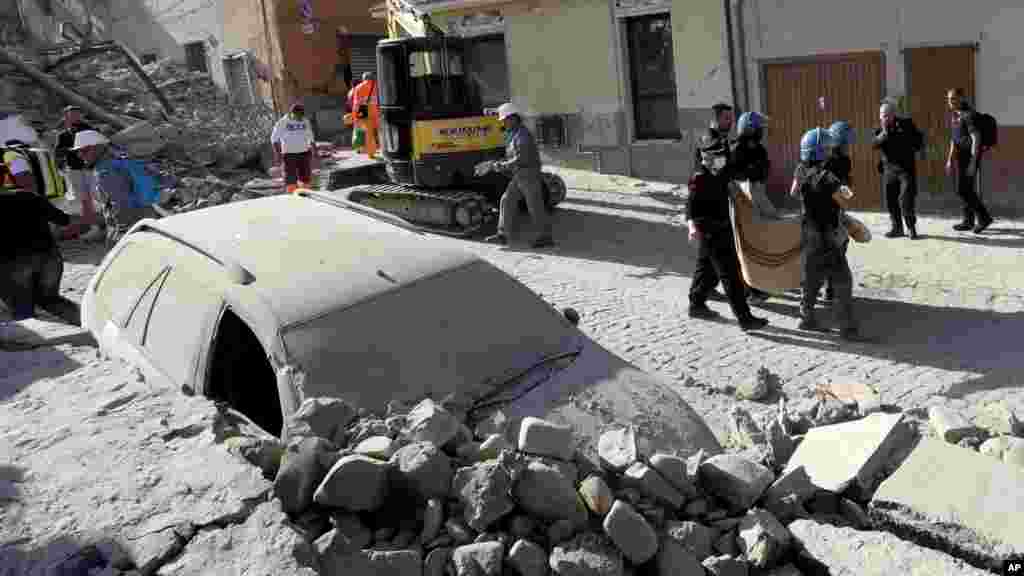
126, 288
179, 328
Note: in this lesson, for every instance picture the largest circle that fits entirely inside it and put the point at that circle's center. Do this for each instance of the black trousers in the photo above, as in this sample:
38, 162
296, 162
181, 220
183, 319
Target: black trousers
822, 258
901, 197
33, 279
967, 190
717, 261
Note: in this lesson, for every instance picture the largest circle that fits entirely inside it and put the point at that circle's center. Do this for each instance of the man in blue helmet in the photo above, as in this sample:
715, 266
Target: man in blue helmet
750, 164
838, 162
707, 215
899, 140
821, 255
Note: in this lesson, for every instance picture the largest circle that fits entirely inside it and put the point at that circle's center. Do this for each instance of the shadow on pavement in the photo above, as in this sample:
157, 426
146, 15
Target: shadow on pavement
1007, 239
21, 369
10, 477
956, 339
613, 238
79, 252
63, 555
620, 206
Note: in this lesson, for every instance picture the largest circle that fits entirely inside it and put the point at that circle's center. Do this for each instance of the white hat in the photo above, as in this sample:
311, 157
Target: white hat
508, 109
88, 138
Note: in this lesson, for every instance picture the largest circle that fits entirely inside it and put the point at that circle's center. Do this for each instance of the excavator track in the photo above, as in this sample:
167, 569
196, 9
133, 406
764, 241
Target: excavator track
452, 212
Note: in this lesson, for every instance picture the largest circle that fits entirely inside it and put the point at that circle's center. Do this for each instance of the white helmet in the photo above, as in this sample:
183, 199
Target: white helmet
508, 109
88, 138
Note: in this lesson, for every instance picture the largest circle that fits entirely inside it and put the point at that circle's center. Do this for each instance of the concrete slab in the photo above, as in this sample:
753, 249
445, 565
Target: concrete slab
838, 456
946, 483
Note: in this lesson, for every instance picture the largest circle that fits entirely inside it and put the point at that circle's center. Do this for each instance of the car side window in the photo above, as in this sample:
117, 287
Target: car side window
181, 322
134, 270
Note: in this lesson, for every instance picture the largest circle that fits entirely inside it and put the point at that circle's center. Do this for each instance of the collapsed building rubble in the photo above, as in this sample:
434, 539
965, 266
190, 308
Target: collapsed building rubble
204, 148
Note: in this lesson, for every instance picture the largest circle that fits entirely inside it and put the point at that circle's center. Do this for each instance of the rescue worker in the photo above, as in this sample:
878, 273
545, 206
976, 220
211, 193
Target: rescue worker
821, 256
294, 146
838, 162
750, 158
898, 140
120, 203
366, 113
965, 149
523, 163
76, 174
31, 264
707, 216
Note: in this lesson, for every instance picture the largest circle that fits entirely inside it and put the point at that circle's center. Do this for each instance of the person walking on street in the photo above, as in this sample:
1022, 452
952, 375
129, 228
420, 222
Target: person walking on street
31, 264
707, 216
899, 140
523, 163
366, 115
821, 256
965, 149
838, 162
294, 146
77, 175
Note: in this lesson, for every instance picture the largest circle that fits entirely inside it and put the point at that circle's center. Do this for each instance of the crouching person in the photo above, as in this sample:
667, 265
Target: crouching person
822, 254
707, 215
123, 195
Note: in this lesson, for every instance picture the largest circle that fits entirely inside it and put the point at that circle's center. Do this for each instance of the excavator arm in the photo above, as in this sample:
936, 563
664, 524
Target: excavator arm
405, 20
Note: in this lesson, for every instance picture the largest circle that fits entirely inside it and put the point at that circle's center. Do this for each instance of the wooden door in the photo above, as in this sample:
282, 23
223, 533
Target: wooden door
931, 72
852, 87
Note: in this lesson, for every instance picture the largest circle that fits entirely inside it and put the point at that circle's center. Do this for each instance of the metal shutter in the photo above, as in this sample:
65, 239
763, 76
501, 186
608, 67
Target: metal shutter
364, 56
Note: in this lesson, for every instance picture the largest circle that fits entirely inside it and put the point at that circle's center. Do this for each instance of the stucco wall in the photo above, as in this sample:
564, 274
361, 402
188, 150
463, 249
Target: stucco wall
244, 30
134, 24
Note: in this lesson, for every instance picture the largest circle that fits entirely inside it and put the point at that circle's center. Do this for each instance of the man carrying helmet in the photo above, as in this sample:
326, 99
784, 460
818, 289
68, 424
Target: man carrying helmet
522, 162
707, 215
822, 256
898, 140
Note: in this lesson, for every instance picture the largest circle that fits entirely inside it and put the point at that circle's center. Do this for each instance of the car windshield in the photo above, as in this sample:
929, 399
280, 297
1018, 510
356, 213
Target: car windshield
451, 333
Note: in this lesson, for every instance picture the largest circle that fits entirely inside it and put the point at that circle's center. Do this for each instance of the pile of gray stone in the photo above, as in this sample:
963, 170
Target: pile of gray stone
423, 490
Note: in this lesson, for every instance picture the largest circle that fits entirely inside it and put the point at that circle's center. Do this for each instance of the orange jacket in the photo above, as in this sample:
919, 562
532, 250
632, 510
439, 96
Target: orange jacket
366, 93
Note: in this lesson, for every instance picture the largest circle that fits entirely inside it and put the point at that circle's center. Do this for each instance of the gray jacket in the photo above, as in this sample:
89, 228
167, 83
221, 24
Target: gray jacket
521, 153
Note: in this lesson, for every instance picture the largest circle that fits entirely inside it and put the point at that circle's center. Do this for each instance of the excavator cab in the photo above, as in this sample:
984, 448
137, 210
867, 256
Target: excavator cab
433, 129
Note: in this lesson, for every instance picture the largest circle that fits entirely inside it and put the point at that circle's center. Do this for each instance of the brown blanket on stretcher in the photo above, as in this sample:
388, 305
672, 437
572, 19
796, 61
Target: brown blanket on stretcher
768, 246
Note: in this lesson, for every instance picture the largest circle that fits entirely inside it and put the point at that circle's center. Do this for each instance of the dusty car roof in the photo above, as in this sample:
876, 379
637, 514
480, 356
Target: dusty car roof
309, 257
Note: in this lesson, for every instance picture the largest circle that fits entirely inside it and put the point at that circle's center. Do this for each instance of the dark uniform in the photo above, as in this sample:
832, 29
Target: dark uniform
842, 166
972, 205
750, 159
899, 174
707, 205
821, 257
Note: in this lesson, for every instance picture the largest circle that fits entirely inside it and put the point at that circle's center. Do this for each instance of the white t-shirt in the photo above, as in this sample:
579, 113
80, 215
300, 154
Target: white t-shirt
295, 136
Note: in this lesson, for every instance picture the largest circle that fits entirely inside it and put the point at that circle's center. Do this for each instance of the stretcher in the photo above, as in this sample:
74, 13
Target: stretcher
768, 240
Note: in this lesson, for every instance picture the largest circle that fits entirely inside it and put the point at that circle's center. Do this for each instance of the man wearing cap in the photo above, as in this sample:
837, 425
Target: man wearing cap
294, 144
77, 175
121, 204
522, 161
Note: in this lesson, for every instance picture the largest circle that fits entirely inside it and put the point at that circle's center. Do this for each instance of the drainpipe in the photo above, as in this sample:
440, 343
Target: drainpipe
270, 58
741, 40
727, 4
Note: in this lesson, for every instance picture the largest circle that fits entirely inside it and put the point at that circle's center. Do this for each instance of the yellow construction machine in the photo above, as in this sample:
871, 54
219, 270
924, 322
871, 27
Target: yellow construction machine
433, 132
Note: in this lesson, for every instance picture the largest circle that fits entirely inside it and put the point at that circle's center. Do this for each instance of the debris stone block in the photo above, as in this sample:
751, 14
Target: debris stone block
483, 490
430, 422
735, 480
694, 537
493, 445
949, 424
999, 418
673, 469
528, 559
588, 554
631, 533
326, 418
596, 495
617, 449
868, 553
651, 484
484, 559
300, 473
355, 483
785, 497
433, 519
839, 455
956, 485
544, 438
726, 566
547, 491
423, 469
379, 447
675, 560
437, 562
762, 538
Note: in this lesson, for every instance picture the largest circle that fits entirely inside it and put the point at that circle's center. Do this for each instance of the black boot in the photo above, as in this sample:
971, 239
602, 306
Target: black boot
895, 232
752, 323
984, 222
912, 229
967, 223
702, 312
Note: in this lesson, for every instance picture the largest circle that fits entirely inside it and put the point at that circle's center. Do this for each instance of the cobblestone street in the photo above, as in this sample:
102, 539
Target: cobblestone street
945, 311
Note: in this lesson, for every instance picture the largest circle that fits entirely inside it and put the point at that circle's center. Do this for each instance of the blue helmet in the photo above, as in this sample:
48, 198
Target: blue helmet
812, 145
840, 133
750, 122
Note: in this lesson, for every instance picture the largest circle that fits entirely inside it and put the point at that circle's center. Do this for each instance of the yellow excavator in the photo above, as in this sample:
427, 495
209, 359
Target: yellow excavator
433, 132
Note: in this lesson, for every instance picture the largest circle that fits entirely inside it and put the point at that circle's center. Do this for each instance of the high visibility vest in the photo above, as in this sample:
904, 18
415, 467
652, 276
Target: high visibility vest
42, 164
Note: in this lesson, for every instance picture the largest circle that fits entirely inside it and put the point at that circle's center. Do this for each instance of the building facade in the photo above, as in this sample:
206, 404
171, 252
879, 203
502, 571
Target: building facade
308, 50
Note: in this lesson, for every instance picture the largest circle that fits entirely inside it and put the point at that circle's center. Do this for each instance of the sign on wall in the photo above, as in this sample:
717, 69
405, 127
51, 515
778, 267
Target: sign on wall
309, 22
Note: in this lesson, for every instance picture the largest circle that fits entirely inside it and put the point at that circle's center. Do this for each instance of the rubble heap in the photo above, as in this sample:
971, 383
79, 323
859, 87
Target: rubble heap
422, 490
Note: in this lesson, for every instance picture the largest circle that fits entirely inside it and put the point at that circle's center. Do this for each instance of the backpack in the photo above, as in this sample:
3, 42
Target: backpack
42, 164
143, 183
988, 128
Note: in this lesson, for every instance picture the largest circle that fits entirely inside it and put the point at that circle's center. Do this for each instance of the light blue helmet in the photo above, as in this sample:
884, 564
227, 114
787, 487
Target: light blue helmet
750, 122
840, 133
812, 145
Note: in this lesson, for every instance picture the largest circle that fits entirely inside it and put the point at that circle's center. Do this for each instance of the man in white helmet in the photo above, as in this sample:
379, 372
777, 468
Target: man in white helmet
523, 163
